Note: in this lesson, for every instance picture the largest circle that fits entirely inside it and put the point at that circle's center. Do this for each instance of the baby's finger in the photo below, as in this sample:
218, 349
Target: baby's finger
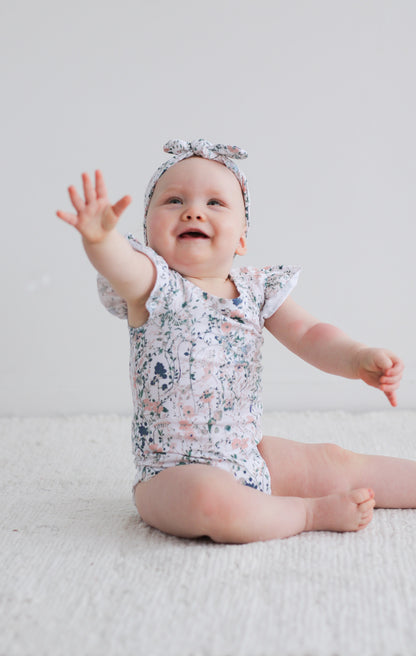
396, 364
89, 190
76, 199
390, 388
67, 217
388, 378
383, 361
387, 383
100, 187
121, 205
396, 370
392, 398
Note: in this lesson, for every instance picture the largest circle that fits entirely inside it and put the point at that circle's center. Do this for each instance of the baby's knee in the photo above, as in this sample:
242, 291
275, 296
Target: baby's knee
212, 501
189, 501
203, 497
209, 492
181, 500
337, 455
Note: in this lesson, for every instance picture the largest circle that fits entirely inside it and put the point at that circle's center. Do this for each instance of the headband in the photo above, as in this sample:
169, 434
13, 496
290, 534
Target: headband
199, 148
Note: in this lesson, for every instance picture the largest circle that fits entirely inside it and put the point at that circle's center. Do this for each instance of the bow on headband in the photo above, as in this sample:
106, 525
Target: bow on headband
199, 148
203, 148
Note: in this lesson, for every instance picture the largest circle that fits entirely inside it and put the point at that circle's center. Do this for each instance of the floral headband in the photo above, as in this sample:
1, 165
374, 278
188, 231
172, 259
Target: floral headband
199, 148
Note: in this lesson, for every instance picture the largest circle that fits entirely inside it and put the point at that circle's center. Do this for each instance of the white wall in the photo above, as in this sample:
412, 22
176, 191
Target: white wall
322, 95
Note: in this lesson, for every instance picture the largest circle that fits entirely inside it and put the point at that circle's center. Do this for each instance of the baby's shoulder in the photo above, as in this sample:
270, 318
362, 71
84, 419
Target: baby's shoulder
267, 286
268, 278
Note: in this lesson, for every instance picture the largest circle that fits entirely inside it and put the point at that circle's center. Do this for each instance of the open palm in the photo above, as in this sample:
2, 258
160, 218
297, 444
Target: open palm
95, 216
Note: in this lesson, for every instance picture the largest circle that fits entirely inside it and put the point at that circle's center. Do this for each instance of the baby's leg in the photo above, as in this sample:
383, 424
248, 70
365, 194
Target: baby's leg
196, 500
393, 479
309, 470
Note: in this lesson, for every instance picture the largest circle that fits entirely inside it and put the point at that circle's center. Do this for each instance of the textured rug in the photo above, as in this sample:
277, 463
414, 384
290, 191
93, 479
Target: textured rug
81, 574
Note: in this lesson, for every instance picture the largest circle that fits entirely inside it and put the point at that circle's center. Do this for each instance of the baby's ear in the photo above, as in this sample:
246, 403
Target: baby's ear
242, 245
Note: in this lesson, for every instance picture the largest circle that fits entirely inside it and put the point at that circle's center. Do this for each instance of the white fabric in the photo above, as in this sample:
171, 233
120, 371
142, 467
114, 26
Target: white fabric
81, 574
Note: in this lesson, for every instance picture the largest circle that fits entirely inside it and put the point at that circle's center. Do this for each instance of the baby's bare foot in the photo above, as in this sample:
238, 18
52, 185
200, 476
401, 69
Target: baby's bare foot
349, 511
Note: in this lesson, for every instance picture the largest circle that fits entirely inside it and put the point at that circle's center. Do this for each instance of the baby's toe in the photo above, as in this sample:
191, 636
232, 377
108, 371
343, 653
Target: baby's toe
362, 496
365, 520
366, 506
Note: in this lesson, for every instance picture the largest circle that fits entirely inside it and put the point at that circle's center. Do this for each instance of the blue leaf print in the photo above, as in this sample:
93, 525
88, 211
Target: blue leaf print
160, 370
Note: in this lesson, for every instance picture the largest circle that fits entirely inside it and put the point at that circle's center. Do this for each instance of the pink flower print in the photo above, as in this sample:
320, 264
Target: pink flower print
256, 274
238, 443
209, 370
226, 327
187, 429
155, 448
188, 411
152, 406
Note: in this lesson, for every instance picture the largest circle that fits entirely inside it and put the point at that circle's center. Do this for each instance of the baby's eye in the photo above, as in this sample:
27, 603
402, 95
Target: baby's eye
174, 200
214, 201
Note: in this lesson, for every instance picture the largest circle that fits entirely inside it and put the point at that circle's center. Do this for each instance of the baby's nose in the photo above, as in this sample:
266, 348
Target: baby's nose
193, 213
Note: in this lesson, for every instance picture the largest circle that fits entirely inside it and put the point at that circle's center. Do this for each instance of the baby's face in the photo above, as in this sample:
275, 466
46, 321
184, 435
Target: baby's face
196, 218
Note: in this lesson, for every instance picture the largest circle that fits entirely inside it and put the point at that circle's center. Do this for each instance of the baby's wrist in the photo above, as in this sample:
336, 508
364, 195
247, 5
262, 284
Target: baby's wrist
357, 359
99, 240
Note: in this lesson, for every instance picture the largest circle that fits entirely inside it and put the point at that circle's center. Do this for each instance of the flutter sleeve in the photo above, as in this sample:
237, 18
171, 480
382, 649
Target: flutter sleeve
278, 283
109, 297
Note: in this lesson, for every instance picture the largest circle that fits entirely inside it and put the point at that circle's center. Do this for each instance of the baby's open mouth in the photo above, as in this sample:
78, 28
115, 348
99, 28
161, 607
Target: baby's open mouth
193, 234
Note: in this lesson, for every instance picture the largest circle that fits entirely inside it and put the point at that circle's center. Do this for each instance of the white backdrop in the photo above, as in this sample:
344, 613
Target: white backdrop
322, 95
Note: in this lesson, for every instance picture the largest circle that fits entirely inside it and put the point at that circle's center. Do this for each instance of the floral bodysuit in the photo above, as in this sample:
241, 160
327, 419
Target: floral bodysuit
195, 370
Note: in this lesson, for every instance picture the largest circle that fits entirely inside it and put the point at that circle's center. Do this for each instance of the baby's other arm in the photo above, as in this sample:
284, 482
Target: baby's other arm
328, 348
130, 273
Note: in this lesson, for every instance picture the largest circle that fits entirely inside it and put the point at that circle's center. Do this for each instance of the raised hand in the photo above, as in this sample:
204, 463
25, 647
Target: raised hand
382, 369
95, 217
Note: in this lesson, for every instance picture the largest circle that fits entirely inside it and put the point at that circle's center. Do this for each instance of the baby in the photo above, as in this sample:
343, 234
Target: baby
203, 468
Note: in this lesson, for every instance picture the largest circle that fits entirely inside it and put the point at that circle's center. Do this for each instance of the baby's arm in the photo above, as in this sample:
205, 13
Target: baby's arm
130, 273
328, 348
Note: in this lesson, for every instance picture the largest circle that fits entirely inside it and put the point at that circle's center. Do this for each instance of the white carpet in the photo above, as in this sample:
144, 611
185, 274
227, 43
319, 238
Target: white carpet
82, 575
